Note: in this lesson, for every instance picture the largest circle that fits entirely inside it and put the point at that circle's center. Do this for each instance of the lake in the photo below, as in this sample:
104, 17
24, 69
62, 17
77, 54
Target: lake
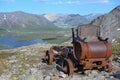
11, 41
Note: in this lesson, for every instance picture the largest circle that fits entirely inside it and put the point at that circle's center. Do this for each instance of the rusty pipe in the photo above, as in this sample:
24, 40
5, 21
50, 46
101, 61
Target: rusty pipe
73, 35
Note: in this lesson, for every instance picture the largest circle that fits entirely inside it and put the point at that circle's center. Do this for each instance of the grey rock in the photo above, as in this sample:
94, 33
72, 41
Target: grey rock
12, 58
106, 75
62, 75
109, 24
100, 77
33, 70
47, 78
76, 77
5, 76
39, 75
94, 72
87, 72
30, 78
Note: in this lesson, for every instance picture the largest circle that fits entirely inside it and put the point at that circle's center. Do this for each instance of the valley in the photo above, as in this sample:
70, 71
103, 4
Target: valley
56, 28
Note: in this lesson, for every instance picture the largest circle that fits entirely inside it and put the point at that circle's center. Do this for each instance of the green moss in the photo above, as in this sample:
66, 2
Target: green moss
116, 46
22, 61
5, 54
3, 66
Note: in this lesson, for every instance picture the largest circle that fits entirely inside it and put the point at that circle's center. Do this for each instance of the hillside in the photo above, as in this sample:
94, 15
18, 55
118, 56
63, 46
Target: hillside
66, 20
30, 26
21, 21
92, 16
109, 24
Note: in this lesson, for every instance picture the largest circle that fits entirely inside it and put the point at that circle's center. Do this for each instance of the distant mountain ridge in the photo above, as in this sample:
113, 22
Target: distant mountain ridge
66, 20
21, 21
92, 16
109, 24
18, 20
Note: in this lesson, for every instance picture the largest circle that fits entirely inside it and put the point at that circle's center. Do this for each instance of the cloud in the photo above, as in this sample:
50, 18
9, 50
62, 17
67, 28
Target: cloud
97, 1
78, 2
41, 0
73, 2
70, 2
8, 0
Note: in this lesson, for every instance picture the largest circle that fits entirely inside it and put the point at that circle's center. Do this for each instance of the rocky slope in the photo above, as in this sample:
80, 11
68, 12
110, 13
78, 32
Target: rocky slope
109, 24
25, 63
66, 20
92, 16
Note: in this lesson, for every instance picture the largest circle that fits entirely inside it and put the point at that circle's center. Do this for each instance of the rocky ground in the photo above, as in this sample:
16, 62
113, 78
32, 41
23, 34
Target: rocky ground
25, 63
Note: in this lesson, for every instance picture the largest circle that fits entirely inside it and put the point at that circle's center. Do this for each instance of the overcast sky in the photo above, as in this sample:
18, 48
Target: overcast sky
82, 7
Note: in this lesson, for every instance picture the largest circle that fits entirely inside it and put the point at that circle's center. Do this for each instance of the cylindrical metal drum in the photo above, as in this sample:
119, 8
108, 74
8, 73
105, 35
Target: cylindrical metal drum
101, 49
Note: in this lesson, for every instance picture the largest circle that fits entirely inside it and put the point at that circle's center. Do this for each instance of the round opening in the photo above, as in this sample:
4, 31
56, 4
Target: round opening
78, 50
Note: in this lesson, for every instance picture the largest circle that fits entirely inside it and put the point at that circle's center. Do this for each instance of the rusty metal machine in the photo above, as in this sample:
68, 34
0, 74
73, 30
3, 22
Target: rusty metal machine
84, 54
56, 52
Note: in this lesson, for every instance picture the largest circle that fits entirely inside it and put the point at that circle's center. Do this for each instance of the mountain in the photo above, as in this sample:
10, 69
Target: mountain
66, 20
109, 24
30, 27
20, 22
92, 16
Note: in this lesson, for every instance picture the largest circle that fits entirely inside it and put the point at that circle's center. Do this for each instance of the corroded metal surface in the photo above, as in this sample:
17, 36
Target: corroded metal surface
88, 30
99, 49
67, 66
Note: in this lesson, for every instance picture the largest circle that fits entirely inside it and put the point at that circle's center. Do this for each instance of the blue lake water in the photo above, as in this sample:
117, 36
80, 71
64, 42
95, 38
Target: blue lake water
10, 41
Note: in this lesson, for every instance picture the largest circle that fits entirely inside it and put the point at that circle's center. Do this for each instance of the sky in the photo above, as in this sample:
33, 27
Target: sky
82, 7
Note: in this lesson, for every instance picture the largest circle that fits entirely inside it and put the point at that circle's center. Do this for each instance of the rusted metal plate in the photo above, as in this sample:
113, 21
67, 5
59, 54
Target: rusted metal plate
88, 31
97, 50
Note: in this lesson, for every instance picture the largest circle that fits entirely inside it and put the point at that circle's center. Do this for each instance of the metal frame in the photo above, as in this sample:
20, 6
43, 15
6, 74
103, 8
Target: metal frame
82, 55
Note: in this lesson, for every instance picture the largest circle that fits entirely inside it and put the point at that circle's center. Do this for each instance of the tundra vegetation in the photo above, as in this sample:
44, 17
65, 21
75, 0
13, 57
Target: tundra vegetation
116, 48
